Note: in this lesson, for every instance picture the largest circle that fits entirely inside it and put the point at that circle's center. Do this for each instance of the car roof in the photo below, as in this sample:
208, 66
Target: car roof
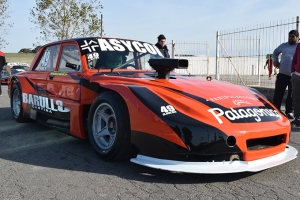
79, 40
16, 63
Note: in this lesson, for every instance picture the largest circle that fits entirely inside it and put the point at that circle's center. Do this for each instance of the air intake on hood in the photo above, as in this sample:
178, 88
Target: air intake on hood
166, 65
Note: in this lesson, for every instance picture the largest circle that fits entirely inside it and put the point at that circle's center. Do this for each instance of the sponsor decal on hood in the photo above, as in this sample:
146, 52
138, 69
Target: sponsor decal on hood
242, 115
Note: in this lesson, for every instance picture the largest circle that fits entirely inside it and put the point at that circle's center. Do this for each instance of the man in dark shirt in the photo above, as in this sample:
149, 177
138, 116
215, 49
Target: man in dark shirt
2, 63
161, 45
283, 79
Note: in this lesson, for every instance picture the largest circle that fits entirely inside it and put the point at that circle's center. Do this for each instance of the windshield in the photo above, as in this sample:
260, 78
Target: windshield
119, 54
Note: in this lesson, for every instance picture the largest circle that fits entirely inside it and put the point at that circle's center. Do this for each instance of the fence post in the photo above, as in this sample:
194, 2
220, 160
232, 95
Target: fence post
258, 64
207, 55
217, 56
173, 48
298, 23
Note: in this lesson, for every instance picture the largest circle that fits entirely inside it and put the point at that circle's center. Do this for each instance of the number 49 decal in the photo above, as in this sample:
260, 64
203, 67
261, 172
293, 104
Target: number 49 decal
166, 110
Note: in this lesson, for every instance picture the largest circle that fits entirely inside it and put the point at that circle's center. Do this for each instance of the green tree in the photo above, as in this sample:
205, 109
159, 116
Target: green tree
35, 49
25, 50
4, 26
64, 19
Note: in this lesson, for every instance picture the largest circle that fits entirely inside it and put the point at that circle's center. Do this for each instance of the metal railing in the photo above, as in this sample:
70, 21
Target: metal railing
241, 54
196, 53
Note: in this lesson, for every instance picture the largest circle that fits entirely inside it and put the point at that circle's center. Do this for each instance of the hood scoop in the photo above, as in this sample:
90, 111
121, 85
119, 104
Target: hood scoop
164, 66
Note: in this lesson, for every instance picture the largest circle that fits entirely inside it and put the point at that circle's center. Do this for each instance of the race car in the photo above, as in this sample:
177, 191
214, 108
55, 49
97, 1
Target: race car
6, 74
126, 99
12, 68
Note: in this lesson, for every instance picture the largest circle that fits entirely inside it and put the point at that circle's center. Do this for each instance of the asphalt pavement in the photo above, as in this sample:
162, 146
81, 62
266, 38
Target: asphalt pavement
37, 162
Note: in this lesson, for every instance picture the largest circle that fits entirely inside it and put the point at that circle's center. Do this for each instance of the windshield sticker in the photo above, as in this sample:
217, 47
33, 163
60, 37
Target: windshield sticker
45, 59
117, 45
245, 114
93, 56
96, 45
90, 46
44, 104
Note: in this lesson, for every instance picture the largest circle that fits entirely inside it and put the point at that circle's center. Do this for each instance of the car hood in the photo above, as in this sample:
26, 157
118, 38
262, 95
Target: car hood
216, 98
208, 92
217, 92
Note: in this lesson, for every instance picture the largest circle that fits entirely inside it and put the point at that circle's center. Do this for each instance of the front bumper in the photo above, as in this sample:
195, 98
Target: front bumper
289, 154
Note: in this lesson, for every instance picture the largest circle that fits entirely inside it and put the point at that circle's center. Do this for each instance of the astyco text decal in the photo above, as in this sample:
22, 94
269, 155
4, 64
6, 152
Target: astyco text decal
44, 104
90, 46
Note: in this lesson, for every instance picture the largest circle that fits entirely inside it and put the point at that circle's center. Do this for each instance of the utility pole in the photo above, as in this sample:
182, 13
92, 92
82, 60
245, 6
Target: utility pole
101, 24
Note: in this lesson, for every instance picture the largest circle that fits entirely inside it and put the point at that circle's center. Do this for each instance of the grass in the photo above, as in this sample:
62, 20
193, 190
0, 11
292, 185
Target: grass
19, 57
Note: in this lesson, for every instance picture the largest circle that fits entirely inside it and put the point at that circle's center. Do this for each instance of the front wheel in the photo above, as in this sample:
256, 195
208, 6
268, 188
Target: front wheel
109, 127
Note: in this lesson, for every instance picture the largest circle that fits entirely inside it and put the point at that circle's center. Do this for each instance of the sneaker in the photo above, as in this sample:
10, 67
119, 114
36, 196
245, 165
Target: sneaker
290, 116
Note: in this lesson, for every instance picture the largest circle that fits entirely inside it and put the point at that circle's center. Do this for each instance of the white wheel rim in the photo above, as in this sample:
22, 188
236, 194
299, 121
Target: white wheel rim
104, 126
16, 102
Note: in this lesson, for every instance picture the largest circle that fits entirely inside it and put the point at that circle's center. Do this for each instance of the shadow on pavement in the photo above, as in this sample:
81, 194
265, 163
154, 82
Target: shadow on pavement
38, 145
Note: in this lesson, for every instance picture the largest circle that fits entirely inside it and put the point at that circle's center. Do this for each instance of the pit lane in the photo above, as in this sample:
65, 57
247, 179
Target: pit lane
37, 162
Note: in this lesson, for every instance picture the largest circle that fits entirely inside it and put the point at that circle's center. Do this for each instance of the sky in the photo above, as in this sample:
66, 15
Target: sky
178, 20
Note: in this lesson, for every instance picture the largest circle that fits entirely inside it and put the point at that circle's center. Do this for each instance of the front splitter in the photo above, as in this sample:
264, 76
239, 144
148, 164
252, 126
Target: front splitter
289, 154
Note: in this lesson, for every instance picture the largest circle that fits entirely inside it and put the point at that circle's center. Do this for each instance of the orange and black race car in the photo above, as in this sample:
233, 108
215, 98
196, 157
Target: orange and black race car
127, 100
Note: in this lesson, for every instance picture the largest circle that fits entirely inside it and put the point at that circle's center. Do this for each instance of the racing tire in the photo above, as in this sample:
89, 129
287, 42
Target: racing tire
16, 104
109, 127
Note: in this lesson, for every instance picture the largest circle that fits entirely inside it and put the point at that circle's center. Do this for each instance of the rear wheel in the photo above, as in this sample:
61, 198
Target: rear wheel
109, 127
16, 104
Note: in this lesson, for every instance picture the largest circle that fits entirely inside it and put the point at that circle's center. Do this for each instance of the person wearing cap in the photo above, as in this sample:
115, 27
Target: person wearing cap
2, 64
161, 45
295, 70
283, 79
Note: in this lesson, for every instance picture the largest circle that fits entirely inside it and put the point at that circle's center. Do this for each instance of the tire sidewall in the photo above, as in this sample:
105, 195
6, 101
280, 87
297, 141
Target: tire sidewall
20, 117
123, 130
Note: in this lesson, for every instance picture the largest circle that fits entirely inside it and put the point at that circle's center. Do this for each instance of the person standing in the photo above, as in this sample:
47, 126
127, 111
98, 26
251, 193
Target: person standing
295, 70
161, 45
2, 63
269, 63
283, 79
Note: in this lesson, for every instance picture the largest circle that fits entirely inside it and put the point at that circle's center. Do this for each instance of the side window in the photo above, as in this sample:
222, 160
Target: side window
49, 59
70, 59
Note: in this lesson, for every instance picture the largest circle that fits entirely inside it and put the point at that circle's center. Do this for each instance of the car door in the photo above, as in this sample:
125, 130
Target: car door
47, 63
65, 81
